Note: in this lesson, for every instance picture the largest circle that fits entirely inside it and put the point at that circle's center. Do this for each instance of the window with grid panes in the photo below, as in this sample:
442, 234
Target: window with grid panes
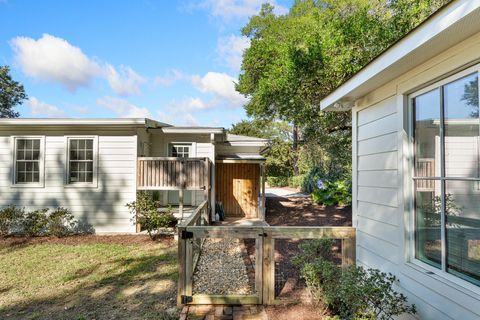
180, 150
27, 160
80, 162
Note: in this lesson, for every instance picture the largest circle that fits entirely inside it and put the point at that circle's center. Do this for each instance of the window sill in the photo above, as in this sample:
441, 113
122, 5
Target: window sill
81, 185
27, 185
443, 277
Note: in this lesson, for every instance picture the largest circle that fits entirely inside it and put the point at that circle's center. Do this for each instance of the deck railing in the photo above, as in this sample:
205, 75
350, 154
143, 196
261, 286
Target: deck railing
168, 173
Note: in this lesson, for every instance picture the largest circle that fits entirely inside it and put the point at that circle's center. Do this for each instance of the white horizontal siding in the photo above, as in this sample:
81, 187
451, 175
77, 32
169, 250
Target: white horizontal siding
103, 206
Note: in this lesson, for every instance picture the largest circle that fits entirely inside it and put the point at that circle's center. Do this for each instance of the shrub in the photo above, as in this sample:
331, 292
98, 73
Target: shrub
279, 181
332, 193
296, 181
350, 292
34, 223
145, 212
10, 220
61, 222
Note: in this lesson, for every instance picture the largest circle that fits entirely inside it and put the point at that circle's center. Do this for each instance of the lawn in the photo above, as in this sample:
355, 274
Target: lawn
88, 277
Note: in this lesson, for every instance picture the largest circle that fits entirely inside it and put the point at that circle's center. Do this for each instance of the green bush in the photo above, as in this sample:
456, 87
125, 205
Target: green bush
10, 220
61, 222
279, 181
145, 212
35, 223
350, 292
296, 181
332, 193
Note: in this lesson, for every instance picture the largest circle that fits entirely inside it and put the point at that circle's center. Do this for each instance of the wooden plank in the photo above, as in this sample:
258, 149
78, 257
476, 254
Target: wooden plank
348, 251
286, 232
181, 266
189, 267
268, 268
225, 299
259, 267
239, 232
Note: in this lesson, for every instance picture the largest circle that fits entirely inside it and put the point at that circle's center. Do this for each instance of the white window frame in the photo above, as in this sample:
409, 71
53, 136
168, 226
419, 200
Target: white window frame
412, 262
41, 165
171, 145
94, 183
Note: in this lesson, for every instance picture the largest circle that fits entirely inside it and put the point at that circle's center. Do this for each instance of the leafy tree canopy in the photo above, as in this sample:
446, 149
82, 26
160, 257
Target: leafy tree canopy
12, 94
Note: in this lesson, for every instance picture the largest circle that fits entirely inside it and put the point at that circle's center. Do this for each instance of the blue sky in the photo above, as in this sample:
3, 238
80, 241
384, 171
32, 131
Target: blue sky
174, 61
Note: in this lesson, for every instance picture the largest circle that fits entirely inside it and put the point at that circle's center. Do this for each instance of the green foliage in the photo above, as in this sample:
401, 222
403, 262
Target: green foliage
277, 181
60, 222
35, 223
350, 292
296, 181
297, 59
145, 212
12, 94
332, 193
10, 219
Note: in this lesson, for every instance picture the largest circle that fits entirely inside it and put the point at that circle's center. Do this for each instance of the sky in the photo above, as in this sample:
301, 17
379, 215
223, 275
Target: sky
172, 61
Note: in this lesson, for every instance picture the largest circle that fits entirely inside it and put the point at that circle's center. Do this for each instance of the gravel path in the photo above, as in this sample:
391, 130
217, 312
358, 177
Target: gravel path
221, 269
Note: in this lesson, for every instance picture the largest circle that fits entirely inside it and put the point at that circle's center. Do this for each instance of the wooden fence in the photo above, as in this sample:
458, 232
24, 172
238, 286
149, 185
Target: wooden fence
168, 173
265, 236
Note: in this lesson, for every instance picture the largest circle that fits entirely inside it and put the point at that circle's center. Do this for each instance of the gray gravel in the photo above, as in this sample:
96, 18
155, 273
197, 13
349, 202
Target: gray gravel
221, 269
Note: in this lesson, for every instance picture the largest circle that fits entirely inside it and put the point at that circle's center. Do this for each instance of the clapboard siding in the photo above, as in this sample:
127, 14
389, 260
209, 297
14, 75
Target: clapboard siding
102, 205
383, 194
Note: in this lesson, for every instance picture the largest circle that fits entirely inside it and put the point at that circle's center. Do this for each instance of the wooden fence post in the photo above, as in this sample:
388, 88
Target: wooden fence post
348, 251
181, 266
268, 268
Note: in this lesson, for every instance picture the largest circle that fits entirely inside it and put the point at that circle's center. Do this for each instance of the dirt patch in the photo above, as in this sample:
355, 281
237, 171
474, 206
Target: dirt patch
299, 211
86, 239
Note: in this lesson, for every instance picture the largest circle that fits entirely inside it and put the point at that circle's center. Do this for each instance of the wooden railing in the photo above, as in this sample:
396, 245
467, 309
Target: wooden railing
168, 173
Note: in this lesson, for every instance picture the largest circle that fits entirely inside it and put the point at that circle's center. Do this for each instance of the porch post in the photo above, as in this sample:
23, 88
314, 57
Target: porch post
262, 166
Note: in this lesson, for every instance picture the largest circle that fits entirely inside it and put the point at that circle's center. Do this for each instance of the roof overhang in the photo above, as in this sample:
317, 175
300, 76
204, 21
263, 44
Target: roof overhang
194, 130
447, 27
63, 122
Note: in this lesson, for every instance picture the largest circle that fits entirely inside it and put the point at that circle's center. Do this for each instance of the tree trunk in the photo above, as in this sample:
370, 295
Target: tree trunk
295, 149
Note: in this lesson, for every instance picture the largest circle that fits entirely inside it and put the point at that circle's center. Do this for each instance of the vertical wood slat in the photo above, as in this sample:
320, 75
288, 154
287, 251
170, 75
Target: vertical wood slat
268, 269
348, 251
181, 265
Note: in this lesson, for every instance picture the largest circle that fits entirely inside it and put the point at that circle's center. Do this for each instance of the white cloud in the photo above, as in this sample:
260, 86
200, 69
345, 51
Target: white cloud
230, 50
170, 78
123, 108
222, 86
189, 120
54, 59
124, 83
39, 108
236, 9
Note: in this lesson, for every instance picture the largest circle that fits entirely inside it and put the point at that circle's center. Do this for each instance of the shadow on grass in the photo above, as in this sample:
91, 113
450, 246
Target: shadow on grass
144, 289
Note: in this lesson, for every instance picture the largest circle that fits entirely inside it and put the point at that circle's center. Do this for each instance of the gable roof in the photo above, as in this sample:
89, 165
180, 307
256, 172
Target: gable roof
450, 25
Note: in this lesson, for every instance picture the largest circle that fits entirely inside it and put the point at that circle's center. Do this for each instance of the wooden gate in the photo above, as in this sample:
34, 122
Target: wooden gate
193, 237
238, 188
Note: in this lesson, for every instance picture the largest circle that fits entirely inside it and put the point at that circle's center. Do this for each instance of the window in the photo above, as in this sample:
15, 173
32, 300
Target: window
27, 160
446, 131
81, 161
180, 150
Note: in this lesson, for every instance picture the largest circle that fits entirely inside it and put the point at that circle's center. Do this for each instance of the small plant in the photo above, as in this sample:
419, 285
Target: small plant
350, 292
279, 181
332, 193
145, 212
34, 223
10, 220
60, 222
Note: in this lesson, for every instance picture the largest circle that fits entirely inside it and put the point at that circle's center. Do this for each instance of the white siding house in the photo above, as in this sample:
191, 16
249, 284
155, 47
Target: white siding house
416, 182
90, 165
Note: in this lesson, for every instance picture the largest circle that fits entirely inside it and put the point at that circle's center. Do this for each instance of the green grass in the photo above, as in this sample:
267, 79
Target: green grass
85, 281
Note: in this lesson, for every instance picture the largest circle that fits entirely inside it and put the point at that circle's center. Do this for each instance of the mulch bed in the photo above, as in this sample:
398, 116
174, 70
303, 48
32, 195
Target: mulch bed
298, 211
85, 239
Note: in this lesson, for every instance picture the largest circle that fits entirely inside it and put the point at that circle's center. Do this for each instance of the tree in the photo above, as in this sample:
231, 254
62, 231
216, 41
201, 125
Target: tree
295, 60
12, 94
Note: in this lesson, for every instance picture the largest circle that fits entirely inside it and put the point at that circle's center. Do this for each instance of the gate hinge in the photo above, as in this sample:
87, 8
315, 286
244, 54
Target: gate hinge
187, 299
187, 234
263, 235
